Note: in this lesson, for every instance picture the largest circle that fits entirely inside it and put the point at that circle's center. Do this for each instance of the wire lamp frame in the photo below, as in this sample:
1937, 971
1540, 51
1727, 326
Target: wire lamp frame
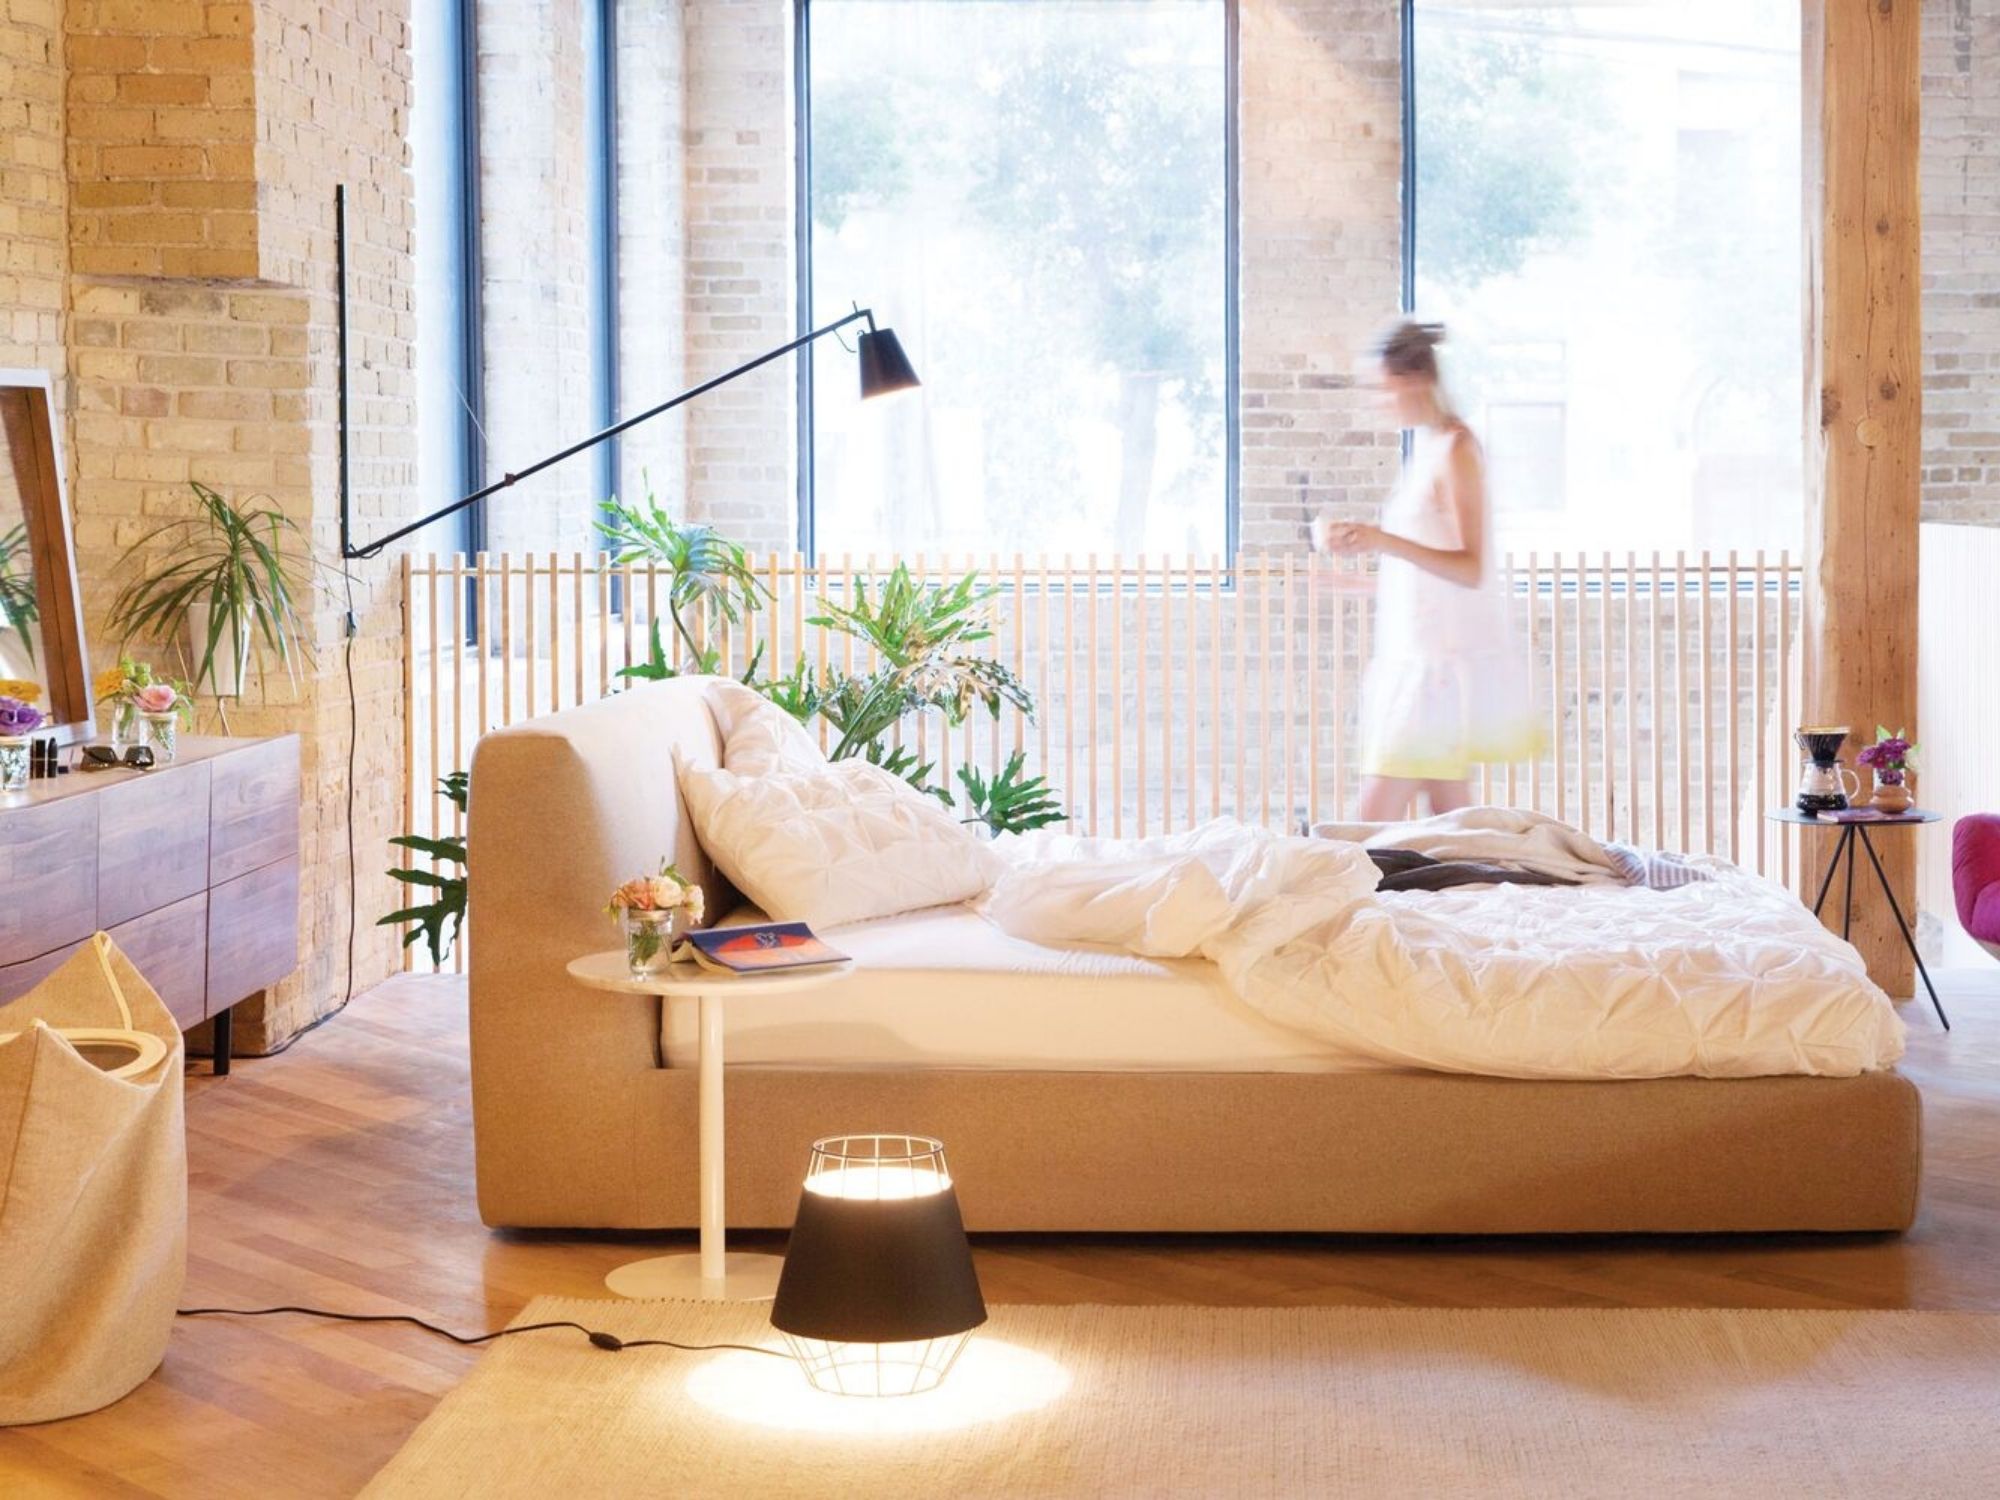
878, 1295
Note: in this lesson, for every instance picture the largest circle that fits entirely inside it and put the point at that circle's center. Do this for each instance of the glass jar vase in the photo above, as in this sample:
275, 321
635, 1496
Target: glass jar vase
14, 762
124, 724
162, 732
650, 937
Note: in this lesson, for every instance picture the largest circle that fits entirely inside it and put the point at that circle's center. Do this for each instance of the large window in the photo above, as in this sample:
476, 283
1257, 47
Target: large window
1608, 220
1035, 194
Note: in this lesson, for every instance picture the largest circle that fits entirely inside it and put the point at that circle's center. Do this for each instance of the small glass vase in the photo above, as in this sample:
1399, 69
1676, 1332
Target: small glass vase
13, 762
124, 724
650, 937
162, 732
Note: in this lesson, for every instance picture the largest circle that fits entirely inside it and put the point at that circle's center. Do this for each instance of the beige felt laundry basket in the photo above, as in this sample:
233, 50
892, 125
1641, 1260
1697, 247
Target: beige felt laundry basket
93, 1187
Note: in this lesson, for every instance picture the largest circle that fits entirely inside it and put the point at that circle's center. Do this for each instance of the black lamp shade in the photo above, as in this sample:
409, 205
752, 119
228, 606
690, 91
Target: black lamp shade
884, 366
890, 1272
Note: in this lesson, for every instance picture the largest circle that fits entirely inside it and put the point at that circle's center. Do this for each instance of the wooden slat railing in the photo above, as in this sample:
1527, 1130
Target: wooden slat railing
1173, 690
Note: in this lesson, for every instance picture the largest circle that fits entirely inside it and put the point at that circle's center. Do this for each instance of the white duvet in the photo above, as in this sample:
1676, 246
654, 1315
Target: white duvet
1725, 978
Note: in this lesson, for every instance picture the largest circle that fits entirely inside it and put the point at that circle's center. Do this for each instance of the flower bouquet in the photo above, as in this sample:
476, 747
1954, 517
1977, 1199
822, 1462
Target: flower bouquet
133, 692
655, 911
1892, 758
18, 719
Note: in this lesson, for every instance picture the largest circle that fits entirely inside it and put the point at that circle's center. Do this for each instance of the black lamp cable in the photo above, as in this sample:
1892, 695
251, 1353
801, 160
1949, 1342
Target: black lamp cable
597, 1336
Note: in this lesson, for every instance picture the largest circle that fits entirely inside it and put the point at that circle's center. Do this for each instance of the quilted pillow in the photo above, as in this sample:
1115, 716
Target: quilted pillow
841, 842
757, 735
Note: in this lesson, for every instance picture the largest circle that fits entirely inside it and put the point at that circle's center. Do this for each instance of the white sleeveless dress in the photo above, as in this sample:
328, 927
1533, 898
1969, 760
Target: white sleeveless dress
1447, 686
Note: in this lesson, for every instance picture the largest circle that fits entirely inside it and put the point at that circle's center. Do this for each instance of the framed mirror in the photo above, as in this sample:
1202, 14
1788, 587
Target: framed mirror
41, 608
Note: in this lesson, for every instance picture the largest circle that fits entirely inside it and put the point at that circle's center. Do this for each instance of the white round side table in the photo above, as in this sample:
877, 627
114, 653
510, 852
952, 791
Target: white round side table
712, 1275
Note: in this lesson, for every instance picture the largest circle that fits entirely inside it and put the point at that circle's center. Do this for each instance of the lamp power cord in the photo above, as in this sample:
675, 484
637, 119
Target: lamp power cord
597, 1336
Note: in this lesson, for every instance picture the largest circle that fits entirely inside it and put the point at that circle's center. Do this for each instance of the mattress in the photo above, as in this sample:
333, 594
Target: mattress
945, 988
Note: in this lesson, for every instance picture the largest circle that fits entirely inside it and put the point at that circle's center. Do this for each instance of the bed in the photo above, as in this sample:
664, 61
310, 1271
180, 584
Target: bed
1076, 1090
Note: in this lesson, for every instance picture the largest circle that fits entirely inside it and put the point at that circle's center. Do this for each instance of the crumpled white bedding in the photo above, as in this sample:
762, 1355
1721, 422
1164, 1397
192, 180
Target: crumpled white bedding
1726, 978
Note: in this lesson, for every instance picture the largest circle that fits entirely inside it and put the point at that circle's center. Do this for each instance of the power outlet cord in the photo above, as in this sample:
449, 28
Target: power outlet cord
597, 1336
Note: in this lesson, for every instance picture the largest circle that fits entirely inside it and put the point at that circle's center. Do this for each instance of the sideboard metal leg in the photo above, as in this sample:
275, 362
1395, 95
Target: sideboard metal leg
224, 1026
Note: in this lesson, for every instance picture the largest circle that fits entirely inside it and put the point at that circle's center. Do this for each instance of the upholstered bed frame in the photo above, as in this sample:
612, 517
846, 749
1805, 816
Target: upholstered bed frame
578, 1125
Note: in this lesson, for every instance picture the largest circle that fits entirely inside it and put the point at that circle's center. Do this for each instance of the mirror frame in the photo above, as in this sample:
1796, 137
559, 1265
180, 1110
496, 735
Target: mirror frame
35, 451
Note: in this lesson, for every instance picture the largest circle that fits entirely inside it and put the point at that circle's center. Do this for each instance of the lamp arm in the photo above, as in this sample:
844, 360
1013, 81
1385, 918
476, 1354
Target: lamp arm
375, 548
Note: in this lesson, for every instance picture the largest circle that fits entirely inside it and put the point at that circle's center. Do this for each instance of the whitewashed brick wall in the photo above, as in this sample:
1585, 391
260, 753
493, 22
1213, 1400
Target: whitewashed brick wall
1961, 261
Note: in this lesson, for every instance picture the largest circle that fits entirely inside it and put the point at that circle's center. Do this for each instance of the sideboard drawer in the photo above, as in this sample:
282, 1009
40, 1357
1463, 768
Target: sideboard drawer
152, 842
17, 979
168, 948
253, 933
48, 874
255, 809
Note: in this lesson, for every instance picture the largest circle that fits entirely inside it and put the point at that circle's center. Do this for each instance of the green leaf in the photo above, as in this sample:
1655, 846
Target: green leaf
421, 877
429, 919
1010, 802
445, 848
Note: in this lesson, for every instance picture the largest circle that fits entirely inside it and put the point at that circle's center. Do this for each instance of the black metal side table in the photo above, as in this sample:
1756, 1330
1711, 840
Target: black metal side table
1851, 835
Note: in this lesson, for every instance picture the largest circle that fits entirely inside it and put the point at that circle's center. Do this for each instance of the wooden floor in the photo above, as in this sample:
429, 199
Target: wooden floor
339, 1174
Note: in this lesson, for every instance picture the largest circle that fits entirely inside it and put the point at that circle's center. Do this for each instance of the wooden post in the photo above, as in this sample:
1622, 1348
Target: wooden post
1864, 389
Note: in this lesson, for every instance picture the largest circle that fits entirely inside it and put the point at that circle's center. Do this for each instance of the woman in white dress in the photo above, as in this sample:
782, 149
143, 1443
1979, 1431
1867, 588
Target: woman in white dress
1445, 689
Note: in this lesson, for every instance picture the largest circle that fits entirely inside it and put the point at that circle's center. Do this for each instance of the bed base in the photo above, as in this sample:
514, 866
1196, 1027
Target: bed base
1368, 1153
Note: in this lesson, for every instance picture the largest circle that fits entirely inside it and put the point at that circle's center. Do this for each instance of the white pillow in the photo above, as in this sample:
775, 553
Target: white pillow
757, 735
841, 842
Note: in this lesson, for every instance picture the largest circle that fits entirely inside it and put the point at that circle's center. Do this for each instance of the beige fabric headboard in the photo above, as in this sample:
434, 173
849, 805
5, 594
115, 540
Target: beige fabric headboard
566, 806
562, 809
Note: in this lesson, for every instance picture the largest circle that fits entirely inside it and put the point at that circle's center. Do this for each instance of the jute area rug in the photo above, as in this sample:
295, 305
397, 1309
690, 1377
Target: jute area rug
1220, 1402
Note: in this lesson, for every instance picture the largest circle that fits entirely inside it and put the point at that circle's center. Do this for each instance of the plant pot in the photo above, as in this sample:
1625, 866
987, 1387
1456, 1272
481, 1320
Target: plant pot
225, 678
1892, 792
650, 937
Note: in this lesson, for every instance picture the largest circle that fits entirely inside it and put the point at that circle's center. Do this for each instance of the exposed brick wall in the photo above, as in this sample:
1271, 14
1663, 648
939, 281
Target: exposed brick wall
534, 246
1961, 261
1320, 265
741, 294
34, 245
206, 140
652, 259
161, 131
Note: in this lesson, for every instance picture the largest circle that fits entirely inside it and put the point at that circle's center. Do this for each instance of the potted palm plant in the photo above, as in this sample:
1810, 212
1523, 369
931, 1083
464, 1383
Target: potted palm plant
224, 584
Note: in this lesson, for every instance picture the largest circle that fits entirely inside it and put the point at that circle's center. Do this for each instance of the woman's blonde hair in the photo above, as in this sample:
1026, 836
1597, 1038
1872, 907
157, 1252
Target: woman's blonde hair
1410, 348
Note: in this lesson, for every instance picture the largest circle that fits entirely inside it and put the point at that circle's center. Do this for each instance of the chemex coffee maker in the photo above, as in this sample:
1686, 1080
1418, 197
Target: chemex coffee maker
1825, 785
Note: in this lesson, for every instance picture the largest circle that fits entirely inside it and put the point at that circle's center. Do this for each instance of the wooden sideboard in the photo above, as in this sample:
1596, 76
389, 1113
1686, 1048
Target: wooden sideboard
193, 868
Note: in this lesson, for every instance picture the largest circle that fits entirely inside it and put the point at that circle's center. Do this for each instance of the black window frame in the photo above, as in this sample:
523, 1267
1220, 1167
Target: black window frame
808, 540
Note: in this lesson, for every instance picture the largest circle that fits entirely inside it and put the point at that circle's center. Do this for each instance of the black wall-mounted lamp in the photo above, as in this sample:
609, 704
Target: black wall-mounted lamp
885, 369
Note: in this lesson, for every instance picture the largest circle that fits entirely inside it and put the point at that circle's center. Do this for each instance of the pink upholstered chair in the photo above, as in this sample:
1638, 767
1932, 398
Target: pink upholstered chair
1975, 877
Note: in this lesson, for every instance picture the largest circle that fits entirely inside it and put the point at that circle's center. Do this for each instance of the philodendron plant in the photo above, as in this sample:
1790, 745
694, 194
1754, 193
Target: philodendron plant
447, 886
925, 639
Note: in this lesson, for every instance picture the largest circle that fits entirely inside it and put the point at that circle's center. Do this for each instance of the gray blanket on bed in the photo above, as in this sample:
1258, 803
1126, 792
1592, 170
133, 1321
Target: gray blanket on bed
1407, 870
1508, 846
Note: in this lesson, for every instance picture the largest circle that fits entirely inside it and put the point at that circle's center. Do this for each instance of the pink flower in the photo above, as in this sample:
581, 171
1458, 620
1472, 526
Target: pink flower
159, 698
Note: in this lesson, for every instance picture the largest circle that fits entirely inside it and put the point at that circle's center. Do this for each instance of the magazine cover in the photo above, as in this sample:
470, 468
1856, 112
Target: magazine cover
762, 948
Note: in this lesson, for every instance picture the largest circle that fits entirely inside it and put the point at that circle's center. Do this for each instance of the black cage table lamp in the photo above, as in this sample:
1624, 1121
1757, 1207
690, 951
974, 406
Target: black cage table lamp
878, 1295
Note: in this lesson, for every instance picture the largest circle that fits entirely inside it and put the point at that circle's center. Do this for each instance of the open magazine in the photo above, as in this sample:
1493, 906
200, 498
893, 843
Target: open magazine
761, 948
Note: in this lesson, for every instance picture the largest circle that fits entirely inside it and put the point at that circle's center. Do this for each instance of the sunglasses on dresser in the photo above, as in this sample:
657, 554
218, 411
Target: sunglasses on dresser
104, 758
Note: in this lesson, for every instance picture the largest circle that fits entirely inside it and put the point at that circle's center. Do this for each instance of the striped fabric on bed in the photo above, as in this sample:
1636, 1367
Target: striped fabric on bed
1655, 869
